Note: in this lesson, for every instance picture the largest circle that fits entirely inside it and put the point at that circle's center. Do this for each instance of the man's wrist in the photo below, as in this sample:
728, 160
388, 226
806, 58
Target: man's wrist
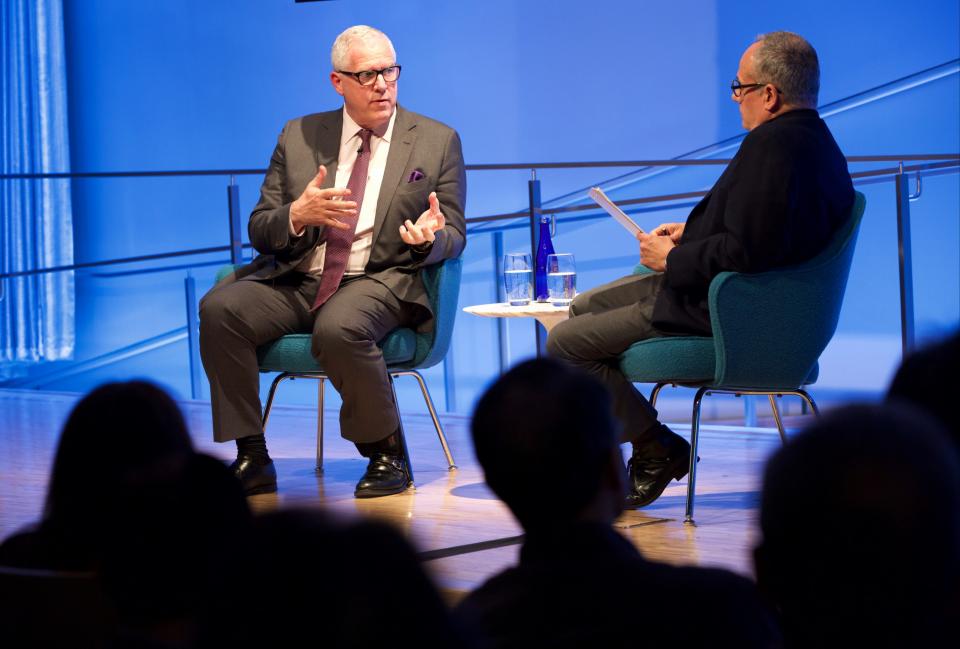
296, 227
422, 247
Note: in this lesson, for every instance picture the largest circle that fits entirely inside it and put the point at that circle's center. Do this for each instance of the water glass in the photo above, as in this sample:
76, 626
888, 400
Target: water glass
517, 278
561, 278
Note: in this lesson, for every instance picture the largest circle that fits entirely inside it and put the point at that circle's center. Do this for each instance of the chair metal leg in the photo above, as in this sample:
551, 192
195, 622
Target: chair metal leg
319, 467
809, 400
694, 442
270, 395
403, 438
433, 414
656, 393
776, 417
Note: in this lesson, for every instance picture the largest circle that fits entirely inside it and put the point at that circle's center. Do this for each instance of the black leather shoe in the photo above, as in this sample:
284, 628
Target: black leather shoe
386, 474
647, 477
255, 478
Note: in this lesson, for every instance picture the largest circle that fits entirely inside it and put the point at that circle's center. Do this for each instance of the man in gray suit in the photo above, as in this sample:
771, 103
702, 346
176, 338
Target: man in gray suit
355, 202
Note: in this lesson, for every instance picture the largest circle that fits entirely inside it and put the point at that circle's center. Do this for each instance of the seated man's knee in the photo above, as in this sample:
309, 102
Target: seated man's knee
216, 308
557, 340
331, 335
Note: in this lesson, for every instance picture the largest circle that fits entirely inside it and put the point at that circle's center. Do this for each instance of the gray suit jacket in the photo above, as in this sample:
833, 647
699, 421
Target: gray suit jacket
418, 144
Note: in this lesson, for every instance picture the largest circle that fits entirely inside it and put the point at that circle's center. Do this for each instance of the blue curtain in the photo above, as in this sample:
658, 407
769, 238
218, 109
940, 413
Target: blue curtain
36, 225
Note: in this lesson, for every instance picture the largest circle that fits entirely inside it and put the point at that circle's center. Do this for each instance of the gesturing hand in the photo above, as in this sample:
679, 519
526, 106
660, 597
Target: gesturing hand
421, 232
322, 206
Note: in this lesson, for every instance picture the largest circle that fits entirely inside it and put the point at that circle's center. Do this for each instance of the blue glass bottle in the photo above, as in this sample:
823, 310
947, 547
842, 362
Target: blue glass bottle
544, 248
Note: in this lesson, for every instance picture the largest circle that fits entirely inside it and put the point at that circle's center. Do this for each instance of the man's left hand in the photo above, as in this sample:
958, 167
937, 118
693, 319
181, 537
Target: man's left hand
654, 250
421, 232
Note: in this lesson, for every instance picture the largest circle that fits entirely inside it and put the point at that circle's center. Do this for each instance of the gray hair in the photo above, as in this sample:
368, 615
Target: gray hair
341, 47
790, 63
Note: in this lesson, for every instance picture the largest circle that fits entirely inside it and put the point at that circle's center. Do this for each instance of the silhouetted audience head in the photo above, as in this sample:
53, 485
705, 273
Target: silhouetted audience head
176, 555
860, 520
338, 584
119, 436
546, 438
930, 379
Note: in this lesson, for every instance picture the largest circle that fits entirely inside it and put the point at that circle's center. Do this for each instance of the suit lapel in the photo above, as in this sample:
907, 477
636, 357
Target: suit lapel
327, 146
401, 146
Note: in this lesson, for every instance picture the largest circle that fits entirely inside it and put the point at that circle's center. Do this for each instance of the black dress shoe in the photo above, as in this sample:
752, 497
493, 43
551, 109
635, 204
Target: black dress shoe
256, 478
648, 476
386, 474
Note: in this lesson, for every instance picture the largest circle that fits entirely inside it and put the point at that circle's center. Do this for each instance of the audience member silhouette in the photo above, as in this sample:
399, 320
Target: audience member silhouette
860, 520
174, 564
546, 438
930, 379
119, 435
314, 580
160, 529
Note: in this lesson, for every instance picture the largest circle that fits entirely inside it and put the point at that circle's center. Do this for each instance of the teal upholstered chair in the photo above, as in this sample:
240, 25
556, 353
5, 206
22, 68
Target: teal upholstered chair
405, 351
769, 330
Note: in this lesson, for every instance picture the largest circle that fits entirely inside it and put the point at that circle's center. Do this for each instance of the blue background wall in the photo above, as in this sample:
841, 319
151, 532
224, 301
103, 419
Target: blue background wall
181, 84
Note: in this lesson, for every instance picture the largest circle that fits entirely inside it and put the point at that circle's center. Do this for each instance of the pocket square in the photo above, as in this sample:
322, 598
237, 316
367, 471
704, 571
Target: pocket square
415, 175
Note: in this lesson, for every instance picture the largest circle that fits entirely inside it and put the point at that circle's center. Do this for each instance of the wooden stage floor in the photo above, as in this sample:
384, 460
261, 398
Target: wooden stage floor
463, 531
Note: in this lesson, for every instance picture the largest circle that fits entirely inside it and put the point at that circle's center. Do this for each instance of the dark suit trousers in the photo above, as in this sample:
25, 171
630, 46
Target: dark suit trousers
604, 322
237, 317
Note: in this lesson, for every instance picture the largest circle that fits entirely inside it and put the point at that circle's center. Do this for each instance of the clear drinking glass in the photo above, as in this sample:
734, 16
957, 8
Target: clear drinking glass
517, 278
561, 278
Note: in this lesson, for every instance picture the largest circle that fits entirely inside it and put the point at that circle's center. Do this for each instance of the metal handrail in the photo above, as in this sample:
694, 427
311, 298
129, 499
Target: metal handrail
940, 161
513, 166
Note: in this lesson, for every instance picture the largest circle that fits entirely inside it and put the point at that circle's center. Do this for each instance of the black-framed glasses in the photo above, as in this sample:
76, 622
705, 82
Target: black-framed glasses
740, 89
368, 77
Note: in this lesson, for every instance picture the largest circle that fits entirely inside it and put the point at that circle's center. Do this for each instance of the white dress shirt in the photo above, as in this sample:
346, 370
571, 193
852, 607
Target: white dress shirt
363, 237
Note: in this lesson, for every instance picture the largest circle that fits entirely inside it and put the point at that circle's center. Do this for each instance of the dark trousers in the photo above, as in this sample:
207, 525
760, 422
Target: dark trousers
603, 323
237, 317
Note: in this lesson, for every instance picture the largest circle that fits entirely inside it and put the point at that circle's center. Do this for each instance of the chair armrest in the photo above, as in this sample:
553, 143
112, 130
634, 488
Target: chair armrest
224, 271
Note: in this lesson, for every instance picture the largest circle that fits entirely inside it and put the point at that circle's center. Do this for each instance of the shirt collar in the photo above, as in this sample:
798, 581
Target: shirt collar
351, 129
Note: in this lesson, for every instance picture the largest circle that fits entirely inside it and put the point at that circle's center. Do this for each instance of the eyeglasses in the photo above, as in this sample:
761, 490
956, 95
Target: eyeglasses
369, 77
740, 89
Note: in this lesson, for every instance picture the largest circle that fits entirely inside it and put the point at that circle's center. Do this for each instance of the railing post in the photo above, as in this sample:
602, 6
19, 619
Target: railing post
193, 334
905, 261
500, 295
233, 211
533, 187
449, 382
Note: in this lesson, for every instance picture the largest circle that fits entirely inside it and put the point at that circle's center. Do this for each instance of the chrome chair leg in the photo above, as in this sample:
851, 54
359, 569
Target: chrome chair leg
656, 393
283, 376
319, 467
776, 417
809, 400
694, 442
451, 465
403, 438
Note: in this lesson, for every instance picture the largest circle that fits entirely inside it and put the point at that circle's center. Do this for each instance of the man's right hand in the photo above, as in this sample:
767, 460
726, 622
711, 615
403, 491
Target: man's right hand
672, 230
322, 206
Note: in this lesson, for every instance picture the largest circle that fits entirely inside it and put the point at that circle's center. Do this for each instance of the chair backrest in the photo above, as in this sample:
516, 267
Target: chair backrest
442, 282
770, 328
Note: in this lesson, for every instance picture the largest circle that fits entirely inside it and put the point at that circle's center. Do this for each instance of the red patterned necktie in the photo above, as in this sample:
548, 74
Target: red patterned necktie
339, 241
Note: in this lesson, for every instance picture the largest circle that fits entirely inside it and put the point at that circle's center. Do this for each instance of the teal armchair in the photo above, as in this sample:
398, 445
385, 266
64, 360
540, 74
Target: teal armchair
769, 330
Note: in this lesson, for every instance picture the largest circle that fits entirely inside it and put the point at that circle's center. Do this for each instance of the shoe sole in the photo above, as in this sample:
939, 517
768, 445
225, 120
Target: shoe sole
262, 489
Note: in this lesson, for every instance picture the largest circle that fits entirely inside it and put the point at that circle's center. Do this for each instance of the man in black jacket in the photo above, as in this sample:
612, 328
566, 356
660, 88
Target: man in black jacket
579, 583
776, 204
